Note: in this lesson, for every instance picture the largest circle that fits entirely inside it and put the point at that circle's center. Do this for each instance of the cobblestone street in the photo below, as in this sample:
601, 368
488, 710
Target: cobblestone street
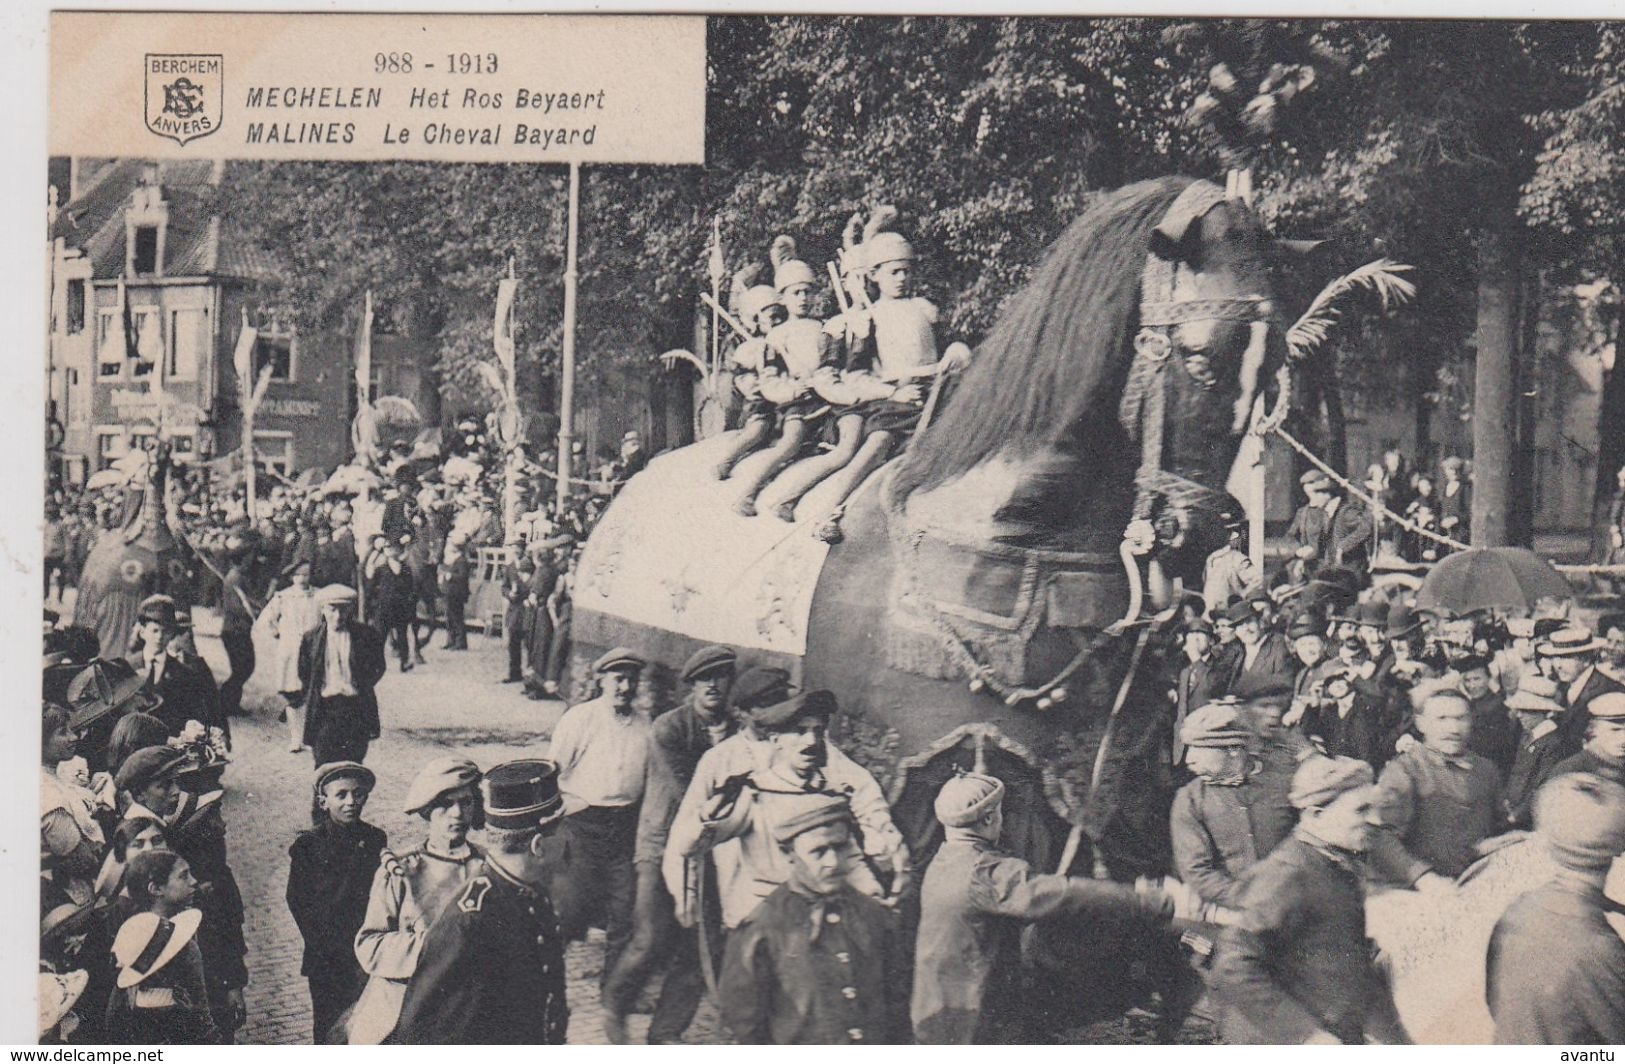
453, 705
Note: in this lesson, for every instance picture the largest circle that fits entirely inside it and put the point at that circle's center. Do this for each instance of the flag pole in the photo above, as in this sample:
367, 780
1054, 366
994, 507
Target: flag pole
567, 373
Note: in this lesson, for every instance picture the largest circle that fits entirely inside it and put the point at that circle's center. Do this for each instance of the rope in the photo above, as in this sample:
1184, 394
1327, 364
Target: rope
1368, 499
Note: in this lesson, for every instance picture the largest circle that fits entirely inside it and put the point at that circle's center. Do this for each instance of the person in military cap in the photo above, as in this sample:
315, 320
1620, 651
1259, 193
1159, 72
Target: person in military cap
183, 688
1295, 967
1228, 573
1604, 751
1218, 825
413, 887
677, 741
799, 759
973, 902
340, 663
1556, 967
601, 748
1435, 801
330, 874
1308, 531
817, 963
491, 970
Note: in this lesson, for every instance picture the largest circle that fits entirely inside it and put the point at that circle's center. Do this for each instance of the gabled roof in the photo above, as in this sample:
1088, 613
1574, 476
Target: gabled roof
94, 222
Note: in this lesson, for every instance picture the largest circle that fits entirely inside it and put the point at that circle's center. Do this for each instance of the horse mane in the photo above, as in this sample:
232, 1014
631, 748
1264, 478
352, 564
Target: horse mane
1049, 373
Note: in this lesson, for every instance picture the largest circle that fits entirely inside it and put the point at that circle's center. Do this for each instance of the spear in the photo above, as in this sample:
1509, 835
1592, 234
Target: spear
717, 268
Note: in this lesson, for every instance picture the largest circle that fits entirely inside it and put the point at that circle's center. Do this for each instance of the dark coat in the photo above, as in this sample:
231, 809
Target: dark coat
1274, 665
1556, 970
358, 717
329, 880
392, 596
188, 691
1221, 832
1495, 734
1574, 722
677, 741
1349, 539
1586, 761
1434, 811
334, 562
1363, 734
1530, 768
1199, 683
790, 979
491, 970
1298, 960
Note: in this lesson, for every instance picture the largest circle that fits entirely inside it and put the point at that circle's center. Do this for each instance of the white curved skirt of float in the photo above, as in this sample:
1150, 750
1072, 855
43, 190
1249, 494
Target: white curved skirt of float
671, 554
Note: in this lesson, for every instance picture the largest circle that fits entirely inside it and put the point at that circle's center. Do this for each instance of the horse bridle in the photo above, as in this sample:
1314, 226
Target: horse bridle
1143, 410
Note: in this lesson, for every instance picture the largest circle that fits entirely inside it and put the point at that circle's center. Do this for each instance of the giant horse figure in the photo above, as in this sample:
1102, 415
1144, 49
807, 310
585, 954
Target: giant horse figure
138, 558
979, 611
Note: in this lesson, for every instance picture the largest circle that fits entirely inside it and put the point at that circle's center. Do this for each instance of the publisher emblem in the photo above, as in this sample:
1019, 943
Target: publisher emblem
185, 95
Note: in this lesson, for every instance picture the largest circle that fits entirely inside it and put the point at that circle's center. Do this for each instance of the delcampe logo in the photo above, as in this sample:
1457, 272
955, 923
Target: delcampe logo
185, 95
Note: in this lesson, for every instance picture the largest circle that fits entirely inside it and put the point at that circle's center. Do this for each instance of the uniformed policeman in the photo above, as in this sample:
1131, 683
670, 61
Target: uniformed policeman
492, 966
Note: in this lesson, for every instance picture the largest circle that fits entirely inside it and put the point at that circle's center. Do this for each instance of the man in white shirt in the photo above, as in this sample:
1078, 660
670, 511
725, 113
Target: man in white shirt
602, 750
730, 805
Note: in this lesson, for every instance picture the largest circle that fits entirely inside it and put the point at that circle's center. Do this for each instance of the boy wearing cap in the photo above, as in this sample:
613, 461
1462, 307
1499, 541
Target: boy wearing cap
601, 748
817, 963
972, 901
340, 662
677, 741
1556, 968
1296, 966
786, 751
1309, 524
185, 690
491, 969
1436, 801
329, 878
1220, 825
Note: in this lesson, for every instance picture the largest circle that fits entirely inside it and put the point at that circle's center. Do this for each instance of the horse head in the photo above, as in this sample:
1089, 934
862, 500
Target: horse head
1116, 386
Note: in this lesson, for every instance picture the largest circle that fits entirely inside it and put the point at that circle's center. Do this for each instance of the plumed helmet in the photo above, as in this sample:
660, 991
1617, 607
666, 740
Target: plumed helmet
880, 245
852, 246
787, 268
755, 301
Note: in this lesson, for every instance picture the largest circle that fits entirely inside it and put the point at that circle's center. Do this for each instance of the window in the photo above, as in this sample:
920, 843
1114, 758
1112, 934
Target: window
274, 450
109, 445
183, 445
145, 260
141, 437
109, 345
149, 340
76, 307
181, 357
274, 350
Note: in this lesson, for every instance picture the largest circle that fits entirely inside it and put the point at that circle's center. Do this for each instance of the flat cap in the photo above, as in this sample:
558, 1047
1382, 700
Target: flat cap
159, 608
1217, 724
621, 659
1319, 780
336, 595
1314, 478
1581, 817
758, 687
800, 813
439, 776
335, 770
1197, 626
1254, 687
792, 709
148, 765
707, 660
967, 797
1610, 706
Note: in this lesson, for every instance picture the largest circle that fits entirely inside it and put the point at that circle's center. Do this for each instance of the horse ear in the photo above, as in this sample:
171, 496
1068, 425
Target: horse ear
1174, 237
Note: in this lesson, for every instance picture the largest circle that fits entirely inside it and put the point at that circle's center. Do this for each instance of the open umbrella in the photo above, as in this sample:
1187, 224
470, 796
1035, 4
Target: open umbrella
1483, 578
